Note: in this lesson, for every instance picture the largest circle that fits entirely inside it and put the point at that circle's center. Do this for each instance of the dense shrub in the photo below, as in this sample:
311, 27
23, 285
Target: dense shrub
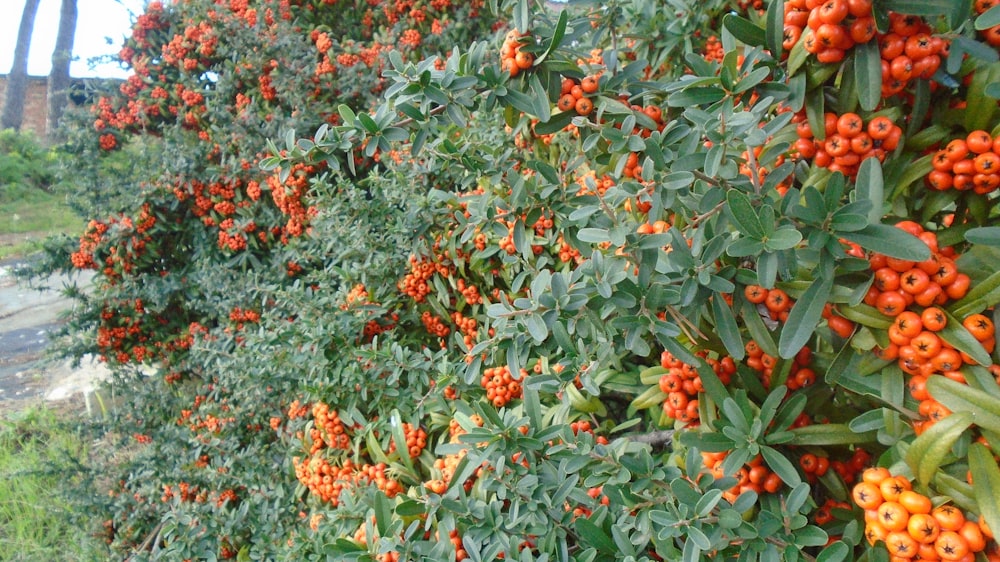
650, 281
24, 164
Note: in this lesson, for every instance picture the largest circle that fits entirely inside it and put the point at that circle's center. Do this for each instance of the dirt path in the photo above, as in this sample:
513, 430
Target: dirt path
28, 316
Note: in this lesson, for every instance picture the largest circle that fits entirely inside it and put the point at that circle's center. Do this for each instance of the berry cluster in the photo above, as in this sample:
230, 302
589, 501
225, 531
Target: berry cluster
847, 141
328, 429
500, 386
752, 476
972, 163
416, 440
574, 96
682, 383
714, 52
513, 59
434, 325
909, 524
800, 375
828, 28
908, 52
776, 302
912, 294
447, 464
327, 481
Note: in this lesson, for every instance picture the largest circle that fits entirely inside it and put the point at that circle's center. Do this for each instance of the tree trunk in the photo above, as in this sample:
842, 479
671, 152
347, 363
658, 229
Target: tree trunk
17, 80
59, 80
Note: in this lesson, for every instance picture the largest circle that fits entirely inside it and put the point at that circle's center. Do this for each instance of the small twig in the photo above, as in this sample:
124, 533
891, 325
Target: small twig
147, 544
754, 171
696, 220
660, 438
686, 325
410, 120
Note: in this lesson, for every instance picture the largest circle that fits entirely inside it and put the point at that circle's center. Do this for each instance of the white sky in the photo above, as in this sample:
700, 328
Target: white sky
98, 21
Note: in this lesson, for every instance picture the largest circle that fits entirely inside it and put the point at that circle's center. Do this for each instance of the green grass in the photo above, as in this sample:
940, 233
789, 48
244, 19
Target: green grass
28, 216
38, 455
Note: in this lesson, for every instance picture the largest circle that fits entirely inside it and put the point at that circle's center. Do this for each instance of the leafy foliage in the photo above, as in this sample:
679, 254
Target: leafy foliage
641, 282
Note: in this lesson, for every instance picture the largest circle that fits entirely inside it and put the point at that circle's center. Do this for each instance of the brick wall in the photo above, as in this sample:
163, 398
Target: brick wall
36, 107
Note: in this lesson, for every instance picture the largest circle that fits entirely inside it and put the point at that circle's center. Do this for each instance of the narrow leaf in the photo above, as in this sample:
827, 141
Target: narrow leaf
928, 451
870, 186
744, 30
774, 33
830, 434
557, 36
868, 74
746, 218
988, 235
985, 483
957, 397
835, 552
890, 241
803, 318
725, 325
961, 339
988, 19
780, 466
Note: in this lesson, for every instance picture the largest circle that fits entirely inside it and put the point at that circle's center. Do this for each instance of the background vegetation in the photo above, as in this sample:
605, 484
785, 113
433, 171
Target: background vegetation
648, 281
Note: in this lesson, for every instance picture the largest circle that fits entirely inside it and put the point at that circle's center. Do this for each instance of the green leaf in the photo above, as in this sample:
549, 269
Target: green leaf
988, 235
713, 386
803, 318
958, 397
787, 412
781, 466
985, 483
695, 96
984, 293
745, 247
835, 552
980, 108
520, 101
815, 105
725, 325
744, 30
707, 502
868, 74
958, 337
830, 434
383, 513
957, 489
872, 420
870, 186
536, 328
743, 213
368, 123
928, 451
592, 535
346, 114
774, 33
555, 123
988, 19
557, 36
540, 98
919, 7
784, 238
399, 438
889, 240
844, 221
866, 316
755, 325
594, 235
